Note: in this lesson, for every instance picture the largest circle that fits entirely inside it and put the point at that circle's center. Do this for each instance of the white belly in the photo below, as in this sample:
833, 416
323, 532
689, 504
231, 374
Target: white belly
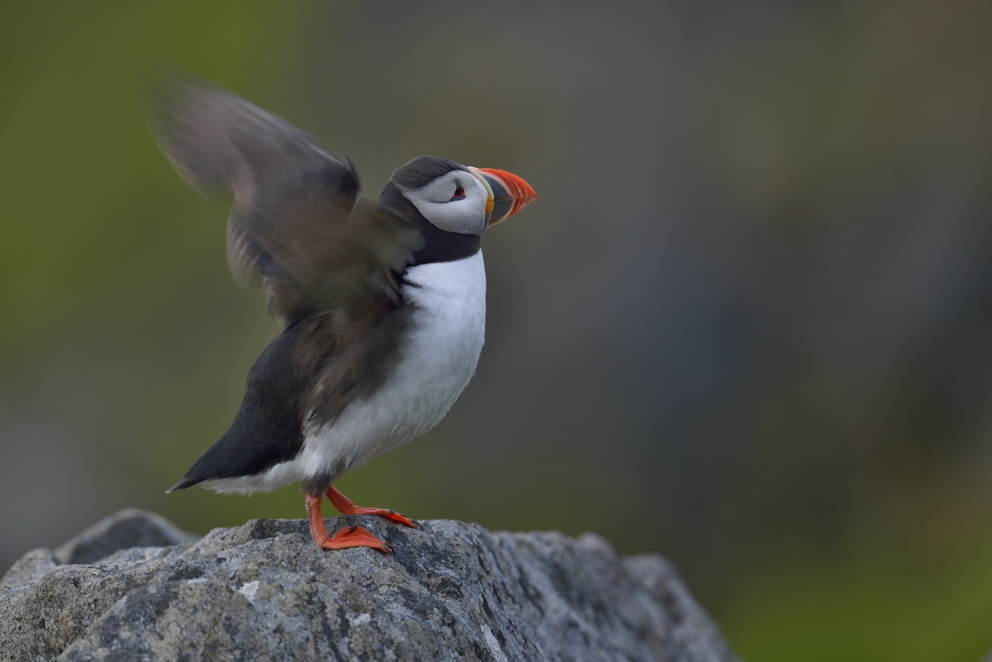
438, 358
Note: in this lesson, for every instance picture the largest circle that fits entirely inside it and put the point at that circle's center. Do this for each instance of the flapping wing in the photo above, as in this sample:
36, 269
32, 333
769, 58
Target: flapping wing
296, 218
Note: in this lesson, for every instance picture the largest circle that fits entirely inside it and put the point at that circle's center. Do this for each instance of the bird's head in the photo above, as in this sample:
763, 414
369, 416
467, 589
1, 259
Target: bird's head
460, 199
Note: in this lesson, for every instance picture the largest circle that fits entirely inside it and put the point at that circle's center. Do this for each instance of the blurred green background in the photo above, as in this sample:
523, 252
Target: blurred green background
748, 325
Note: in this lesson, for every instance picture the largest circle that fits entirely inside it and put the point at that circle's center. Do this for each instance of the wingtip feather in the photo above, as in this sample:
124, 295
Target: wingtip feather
188, 481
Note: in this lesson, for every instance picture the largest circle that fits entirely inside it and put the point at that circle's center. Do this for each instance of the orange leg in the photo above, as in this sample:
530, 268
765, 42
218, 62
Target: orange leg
346, 507
352, 536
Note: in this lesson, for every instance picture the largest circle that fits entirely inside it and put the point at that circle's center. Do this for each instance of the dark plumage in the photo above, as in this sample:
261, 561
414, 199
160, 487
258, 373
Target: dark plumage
423, 170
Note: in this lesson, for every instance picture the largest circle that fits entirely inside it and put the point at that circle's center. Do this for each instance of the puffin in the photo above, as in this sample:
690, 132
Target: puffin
382, 306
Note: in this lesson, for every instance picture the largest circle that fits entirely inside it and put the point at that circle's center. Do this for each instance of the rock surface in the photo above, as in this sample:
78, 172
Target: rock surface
263, 591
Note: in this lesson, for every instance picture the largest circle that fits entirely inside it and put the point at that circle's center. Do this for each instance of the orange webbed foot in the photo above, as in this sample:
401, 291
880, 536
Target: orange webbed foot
354, 536
346, 506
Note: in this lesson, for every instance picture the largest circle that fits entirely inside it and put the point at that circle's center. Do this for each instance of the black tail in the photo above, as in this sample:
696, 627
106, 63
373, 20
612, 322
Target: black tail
266, 430
187, 481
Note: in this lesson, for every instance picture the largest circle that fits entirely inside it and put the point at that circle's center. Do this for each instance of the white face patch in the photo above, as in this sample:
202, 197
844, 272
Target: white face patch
455, 202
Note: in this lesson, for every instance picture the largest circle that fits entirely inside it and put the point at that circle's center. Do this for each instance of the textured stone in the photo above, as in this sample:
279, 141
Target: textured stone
264, 591
127, 528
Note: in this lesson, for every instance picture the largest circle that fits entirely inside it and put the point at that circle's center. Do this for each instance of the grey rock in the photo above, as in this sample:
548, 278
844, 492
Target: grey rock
127, 528
263, 591
29, 567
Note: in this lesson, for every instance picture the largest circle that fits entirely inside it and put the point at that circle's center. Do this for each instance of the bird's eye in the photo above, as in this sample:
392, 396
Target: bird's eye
459, 194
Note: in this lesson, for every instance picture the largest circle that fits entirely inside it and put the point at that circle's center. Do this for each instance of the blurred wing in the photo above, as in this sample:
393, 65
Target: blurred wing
295, 218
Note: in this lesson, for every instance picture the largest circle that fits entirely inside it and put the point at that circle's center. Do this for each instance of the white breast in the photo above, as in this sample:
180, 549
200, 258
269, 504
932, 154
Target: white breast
438, 359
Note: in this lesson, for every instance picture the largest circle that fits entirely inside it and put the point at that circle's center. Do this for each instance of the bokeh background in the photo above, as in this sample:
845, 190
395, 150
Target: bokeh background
748, 324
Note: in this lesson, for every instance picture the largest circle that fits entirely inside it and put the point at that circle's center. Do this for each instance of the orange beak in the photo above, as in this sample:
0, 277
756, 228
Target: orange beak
510, 193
